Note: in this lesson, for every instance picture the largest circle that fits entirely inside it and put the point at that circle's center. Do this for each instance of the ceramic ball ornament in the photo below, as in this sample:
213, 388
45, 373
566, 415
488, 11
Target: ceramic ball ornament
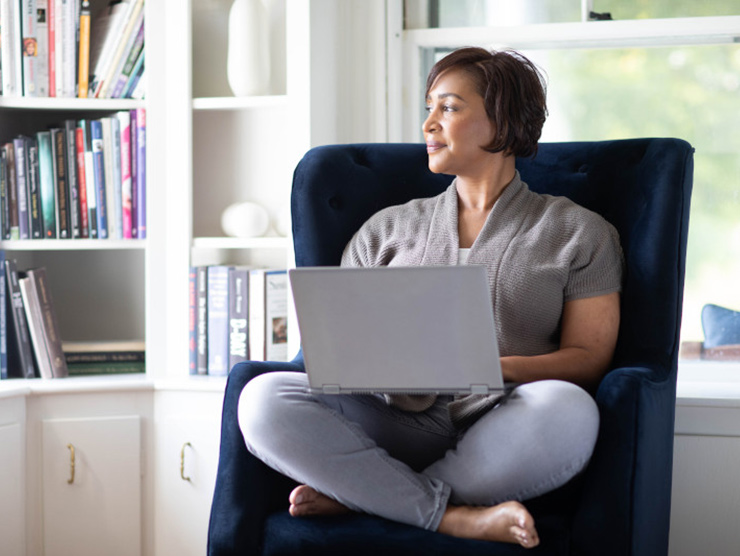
245, 220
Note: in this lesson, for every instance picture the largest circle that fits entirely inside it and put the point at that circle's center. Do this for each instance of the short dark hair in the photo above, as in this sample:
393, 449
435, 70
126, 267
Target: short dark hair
514, 93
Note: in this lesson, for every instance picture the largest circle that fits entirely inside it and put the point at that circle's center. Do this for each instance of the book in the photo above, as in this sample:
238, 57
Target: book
268, 315
35, 320
92, 195
10, 48
47, 185
70, 135
39, 279
133, 81
115, 133
4, 200
82, 181
126, 351
20, 355
30, 48
87, 369
51, 48
218, 314
12, 191
69, 24
134, 190
21, 172
193, 321
124, 119
139, 177
34, 194
96, 141
42, 40
106, 30
238, 315
83, 71
3, 321
202, 320
59, 160
110, 194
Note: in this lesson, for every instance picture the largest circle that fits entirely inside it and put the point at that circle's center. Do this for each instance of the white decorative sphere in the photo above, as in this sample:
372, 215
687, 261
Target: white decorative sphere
245, 220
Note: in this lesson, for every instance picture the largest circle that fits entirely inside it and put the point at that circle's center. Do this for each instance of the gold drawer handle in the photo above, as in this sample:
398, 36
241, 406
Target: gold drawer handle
182, 462
71, 464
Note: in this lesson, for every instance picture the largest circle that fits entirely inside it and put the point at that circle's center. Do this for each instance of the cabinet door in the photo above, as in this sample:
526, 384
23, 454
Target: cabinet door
187, 460
12, 483
92, 486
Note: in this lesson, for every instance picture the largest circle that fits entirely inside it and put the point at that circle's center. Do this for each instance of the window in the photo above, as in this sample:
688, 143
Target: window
640, 78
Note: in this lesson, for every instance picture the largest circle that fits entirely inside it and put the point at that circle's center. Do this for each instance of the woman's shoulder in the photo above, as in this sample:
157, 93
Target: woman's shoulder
563, 213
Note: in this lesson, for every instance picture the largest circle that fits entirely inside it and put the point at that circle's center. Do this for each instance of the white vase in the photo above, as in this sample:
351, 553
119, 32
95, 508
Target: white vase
248, 55
245, 220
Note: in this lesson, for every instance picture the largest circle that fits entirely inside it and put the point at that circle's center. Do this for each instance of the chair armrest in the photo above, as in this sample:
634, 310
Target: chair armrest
625, 506
246, 489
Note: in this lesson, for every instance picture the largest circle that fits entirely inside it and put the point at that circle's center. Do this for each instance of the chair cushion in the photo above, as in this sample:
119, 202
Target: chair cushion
721, 326
363, 535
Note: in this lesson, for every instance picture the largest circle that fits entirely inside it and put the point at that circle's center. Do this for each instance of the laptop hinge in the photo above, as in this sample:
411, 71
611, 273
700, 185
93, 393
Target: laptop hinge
330, 388
479, 389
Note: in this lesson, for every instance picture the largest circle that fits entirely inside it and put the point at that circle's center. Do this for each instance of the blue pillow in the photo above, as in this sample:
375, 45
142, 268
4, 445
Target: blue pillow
721, 326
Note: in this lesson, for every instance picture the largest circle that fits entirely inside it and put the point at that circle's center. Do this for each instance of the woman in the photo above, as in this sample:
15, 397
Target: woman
463, 466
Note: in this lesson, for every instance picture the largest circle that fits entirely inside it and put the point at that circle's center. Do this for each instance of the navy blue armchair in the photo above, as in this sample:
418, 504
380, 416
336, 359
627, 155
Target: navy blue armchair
621, 504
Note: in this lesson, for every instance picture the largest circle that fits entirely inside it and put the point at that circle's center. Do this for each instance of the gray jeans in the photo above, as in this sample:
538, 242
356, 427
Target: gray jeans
407, 467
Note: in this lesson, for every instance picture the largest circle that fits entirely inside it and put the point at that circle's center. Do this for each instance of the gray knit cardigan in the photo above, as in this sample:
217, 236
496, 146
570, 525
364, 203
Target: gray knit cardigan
540, 251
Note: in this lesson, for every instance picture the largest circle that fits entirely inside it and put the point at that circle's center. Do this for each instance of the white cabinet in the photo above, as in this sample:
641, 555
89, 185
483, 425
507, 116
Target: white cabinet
12, 477
92, 486
187, 437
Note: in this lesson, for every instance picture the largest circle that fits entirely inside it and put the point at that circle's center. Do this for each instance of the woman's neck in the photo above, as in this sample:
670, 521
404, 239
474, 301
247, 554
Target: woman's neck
478, 194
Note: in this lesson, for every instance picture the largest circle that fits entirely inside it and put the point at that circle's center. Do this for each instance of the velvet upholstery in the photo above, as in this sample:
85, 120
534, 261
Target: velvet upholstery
621, 504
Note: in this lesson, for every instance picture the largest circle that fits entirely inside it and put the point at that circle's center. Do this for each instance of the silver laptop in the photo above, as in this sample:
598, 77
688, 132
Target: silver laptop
397, 329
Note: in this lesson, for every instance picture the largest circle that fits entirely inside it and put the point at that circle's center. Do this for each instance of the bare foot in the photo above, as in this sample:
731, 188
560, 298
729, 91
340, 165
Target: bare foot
305, 501
507, 522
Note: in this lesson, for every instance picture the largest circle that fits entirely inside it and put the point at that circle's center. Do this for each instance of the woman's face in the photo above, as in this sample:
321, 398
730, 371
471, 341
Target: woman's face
457, 126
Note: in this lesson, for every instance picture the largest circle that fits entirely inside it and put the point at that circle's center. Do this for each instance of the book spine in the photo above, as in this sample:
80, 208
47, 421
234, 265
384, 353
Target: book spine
202, 292
59, 149
42, 38
4, 200
35, 327
276, 316
10, 48
82, 181
92, 218
34, 193
51, 325
70, 136
134, 171
105, 357
218, 314
12, 192
103, 87
22, 364
238, 315
69, 47
96, 132
105, 126
21, 177
193, 321
3, 320
115, 125
125, 124
59, 46
141, 172
51, 47
133, 79
30, 48
83, 70
257, 348
46, 189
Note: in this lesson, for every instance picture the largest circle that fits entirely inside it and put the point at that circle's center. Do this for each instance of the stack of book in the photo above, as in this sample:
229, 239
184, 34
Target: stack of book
30, 344
72, 48
82, 179
102, 358
236, 314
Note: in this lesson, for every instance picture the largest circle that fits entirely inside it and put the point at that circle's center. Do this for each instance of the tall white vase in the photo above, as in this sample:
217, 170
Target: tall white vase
248, 58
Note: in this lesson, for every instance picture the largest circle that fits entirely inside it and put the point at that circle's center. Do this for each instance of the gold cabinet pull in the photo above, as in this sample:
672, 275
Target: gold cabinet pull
71, 464
182, 462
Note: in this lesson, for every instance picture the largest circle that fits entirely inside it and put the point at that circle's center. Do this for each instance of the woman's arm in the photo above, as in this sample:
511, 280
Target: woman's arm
587, 342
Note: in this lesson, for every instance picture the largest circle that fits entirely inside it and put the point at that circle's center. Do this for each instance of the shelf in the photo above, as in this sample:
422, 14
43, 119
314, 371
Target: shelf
239, 103
72, 244
241, 243
91, 104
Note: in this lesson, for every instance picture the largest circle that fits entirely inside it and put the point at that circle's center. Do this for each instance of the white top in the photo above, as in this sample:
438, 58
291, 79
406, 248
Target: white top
462, 255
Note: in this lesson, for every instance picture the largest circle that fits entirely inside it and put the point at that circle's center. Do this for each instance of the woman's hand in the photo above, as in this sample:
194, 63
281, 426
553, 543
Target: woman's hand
587, 342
